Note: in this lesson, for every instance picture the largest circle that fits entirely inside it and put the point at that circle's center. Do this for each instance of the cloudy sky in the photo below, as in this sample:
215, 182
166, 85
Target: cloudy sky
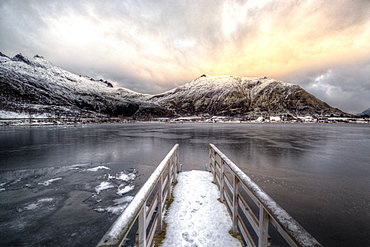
151, 46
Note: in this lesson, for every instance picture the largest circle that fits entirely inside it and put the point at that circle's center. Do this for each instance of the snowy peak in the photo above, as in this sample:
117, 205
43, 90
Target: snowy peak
38, 66
3, 55
20, 58
239, 96
36, 85
215, 83
207, 85
37, 61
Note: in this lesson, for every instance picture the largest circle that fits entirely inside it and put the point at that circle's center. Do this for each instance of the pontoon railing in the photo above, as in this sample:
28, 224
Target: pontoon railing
234, 187
147, 206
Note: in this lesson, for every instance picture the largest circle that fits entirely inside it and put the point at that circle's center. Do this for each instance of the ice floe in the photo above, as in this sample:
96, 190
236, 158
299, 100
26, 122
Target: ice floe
123, 200
35, 205
103, 186
94, 169
124, 176
120, 205
2, 185
48, 182
123, 189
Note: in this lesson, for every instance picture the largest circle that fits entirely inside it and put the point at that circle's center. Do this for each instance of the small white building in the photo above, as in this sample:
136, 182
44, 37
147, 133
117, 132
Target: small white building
260, 119
307, 119
189, 119
275, 119
217, 119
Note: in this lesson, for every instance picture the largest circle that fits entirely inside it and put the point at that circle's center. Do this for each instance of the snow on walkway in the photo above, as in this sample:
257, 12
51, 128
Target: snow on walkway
196, 217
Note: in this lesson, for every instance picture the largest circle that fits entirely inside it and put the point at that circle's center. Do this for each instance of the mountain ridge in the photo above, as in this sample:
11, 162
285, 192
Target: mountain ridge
36, 85
237, 96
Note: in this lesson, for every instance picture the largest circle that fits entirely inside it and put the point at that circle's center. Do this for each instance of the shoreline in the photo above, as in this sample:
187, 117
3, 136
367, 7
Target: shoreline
87, 121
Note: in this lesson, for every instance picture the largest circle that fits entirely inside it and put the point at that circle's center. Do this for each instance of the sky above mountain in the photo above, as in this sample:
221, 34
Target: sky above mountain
151, 46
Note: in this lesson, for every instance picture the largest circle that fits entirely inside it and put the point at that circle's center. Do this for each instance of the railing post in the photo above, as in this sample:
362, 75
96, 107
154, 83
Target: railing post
160, 203
235, 205
175, 164
212, 163
263, 227
222, 177
142, 228
177, 160
169, 186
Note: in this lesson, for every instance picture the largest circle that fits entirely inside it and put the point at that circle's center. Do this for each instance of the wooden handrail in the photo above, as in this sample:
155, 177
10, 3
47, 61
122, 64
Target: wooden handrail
269, 211
136, 210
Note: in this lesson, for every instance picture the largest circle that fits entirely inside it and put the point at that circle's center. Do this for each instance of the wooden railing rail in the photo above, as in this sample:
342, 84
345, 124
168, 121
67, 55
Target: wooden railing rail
234, 186
147, 206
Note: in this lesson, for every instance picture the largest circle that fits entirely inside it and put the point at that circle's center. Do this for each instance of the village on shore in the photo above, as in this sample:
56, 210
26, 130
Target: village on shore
268, 119
285, 118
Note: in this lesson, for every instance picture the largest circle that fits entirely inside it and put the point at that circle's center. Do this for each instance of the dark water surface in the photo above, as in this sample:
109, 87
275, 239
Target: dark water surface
319, 173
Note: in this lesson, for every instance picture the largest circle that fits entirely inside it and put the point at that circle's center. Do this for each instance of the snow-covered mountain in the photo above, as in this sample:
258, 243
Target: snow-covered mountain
34, 85
364, 113
232, 95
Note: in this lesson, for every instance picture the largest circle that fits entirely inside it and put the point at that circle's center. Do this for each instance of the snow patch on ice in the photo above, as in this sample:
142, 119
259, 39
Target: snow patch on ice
123, 189
2, 185
126, 177
35, 205
103, 186
95, 169
120, 205
112, 209
126, 199
123, 182
48, 182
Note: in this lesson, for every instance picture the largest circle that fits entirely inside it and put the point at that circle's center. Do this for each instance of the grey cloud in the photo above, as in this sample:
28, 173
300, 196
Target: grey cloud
345, 86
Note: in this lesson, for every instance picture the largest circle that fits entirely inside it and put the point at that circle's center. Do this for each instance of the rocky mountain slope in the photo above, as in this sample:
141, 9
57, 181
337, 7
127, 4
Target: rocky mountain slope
238, 96
34, 85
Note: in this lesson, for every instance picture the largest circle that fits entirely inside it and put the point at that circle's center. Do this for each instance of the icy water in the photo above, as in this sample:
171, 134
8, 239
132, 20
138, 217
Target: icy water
64, 186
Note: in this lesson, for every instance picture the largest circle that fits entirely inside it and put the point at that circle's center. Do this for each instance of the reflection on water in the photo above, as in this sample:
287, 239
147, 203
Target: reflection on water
317, 172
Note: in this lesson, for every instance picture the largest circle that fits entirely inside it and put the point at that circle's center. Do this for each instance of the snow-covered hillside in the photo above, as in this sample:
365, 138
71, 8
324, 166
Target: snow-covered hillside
34, 85
232, 95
